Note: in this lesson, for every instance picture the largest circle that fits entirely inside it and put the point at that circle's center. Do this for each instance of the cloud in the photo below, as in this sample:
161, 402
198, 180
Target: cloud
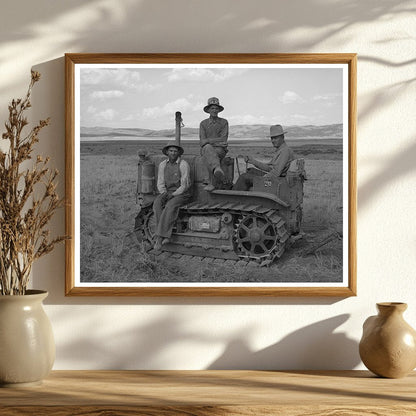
290, 97
122, 77
89, 76
94, 115
203, 74
328, 100
300, 119
248, 119
106, 94
199, 106
130, 117
106, 115
285, 120
146, 87
181, 104
326, 97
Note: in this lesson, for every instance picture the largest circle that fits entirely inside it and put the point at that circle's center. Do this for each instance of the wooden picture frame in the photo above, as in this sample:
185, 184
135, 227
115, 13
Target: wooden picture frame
91, 80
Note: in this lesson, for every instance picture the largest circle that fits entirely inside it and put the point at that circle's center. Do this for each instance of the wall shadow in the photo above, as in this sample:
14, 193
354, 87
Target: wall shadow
147, 20
381, 61
314, 347
381, 98
391, 170
277, 24
250, 23
139, 347
105, 26
48, 99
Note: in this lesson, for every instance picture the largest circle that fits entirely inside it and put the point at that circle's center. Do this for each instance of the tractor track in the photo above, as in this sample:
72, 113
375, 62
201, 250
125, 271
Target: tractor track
201, 261
254, 213
249, 219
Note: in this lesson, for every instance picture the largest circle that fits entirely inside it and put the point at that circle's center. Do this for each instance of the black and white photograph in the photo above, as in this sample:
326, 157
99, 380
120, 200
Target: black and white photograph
229, 175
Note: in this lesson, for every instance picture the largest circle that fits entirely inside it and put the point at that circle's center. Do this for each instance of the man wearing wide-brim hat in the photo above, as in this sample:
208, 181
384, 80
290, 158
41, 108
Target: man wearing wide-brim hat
174, 186
278, 165
213, 138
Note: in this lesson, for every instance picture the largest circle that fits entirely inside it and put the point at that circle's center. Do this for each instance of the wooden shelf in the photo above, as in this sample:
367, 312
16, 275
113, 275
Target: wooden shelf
203, 393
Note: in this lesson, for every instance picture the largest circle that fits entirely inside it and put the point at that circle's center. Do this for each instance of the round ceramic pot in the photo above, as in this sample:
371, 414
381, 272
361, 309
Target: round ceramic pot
388, 345
27, 347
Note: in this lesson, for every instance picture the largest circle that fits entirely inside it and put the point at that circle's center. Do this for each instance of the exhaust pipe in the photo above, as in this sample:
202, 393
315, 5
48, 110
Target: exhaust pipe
178, 125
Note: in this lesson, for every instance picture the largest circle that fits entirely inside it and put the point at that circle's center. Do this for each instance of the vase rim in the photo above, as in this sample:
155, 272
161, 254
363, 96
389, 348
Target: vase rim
392, 305
32, 293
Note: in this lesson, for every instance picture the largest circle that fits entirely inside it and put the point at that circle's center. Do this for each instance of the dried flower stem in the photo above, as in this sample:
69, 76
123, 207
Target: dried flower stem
23, 217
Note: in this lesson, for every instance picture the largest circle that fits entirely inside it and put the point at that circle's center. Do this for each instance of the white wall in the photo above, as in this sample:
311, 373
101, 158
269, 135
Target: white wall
200, 333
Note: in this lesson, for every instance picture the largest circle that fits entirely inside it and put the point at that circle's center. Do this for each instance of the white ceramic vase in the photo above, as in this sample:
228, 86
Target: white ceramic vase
27, 346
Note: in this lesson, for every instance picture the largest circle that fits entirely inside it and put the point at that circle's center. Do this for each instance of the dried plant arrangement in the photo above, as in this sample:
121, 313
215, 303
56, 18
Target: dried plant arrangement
28, 199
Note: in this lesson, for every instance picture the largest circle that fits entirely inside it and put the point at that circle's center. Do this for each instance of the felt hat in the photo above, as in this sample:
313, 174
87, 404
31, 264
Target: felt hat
172, 144
213, 101
276, 130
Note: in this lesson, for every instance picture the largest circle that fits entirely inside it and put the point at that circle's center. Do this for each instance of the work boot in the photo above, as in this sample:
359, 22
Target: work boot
210, 187
219, 174
227, 185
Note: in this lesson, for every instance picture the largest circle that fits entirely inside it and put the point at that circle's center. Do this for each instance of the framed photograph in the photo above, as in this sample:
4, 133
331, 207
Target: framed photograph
211, 174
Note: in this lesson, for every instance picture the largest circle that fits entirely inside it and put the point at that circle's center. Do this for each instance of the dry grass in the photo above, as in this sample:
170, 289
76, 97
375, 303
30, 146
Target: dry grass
110, 252
28, 198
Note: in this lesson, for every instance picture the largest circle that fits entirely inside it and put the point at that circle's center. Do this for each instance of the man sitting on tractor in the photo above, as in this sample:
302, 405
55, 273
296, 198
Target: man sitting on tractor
213, 137
278, 165
173, 184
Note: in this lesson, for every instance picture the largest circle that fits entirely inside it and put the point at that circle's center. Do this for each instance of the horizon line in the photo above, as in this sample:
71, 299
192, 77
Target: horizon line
232, 125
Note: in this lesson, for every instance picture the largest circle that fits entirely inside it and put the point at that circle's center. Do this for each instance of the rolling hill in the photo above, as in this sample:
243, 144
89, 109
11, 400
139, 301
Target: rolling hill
259, 131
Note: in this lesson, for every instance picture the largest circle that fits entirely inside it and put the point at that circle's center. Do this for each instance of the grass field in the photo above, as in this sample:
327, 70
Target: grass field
109, 251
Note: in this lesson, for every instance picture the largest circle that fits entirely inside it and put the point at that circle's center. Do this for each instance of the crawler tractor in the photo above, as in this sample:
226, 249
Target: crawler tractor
254, 225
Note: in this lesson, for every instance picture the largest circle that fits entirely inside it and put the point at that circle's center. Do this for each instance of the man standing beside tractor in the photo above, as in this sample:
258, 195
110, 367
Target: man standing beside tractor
278, 165
173, 184
213, 137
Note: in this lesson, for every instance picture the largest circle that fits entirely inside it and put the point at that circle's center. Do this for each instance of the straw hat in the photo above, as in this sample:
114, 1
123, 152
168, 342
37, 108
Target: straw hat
213, 101
172, 144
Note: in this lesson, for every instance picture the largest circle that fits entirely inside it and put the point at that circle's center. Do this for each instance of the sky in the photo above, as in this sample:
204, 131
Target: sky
144, 96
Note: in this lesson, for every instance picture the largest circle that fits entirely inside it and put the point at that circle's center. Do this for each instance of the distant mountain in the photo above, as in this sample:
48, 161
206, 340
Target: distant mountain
254, 131
109, 131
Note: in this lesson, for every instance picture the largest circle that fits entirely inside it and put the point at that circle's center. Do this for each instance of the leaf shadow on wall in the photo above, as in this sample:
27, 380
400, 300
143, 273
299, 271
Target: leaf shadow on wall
393, 169
144, 20
151, 345
396, 166
237, 29
49, 271
131, 25
250, 22
316, 346
52, 143
140, 346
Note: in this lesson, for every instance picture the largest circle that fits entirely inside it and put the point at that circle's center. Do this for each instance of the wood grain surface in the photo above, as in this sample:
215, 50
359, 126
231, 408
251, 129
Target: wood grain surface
202, 393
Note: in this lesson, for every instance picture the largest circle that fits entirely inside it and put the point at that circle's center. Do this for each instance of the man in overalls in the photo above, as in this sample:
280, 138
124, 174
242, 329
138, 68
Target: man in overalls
174, 186
213, 139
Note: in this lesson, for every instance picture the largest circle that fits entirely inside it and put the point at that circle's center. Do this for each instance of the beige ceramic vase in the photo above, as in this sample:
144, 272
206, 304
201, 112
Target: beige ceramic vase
27, 347
388, 345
